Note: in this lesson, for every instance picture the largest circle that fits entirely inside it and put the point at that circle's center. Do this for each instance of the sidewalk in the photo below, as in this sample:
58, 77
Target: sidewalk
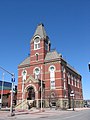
45, 110
36, 113
78, 109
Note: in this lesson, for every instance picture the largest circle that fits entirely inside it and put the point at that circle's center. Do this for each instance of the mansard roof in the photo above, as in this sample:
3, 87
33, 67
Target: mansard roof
49, 56
25, 62
52, 55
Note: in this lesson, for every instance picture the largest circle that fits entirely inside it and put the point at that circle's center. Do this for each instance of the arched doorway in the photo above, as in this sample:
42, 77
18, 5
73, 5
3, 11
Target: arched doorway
31, 96
31, 93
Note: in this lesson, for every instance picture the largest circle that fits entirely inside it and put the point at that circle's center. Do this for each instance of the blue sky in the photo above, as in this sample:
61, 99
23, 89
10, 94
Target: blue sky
67, 23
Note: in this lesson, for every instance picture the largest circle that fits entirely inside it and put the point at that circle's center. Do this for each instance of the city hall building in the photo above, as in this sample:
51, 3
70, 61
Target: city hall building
44, 77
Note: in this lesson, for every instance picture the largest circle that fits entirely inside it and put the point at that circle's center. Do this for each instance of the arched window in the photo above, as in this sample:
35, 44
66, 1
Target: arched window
37, 72
36, 56
63, 73
52, 77
75, 81
72, 79
24, 74
36, 43
78, 83
68, 75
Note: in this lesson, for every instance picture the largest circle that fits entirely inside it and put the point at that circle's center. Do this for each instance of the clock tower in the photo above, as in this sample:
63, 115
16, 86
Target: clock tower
39, 45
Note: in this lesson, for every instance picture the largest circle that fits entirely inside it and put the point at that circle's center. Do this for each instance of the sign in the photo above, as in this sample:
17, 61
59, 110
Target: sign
13, 80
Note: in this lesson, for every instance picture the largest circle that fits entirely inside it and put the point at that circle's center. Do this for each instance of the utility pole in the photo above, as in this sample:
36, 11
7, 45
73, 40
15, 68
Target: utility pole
2, 90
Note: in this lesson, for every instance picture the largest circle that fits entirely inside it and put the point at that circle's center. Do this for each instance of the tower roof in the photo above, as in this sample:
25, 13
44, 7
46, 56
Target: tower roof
40, 31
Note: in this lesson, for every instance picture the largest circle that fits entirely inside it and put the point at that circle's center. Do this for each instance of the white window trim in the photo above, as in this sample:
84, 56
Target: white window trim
36, 75
75, 81
52, 77
52, 66
72, 79
37, 36
64, 85
78, 83
68, 78
36, 68
24, 75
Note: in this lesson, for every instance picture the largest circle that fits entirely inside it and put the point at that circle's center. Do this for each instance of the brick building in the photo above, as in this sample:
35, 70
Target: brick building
57, 76
5, 93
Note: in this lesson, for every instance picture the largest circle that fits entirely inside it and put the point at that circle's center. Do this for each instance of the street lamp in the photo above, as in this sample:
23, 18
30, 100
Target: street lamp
11, 108
72, 95
89, 66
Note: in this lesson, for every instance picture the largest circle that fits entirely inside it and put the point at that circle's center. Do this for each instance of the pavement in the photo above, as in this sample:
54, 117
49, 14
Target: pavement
35, 113
34, 110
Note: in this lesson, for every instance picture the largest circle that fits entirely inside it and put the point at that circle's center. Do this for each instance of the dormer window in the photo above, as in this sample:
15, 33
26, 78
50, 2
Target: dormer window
36, 43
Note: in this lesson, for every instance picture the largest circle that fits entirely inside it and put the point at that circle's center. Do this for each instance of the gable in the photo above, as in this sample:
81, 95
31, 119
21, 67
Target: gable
31, 80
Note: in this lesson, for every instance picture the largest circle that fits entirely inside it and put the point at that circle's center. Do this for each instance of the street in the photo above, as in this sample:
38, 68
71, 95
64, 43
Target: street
49, 115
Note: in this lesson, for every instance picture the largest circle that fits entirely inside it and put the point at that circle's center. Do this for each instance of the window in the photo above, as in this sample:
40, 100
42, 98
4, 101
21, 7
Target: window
72, 79
52, 68
36, 56
64, 85
78, 83
24, 74
75, 82
63, 69
37, 72
52, 77
63, 73
68, 78
46, 46
36, 43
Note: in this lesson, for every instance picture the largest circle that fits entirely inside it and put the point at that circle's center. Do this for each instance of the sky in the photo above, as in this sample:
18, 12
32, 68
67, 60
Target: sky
67, 23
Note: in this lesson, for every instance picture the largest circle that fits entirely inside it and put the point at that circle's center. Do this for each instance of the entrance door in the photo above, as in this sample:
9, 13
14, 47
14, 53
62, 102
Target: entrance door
31, 93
